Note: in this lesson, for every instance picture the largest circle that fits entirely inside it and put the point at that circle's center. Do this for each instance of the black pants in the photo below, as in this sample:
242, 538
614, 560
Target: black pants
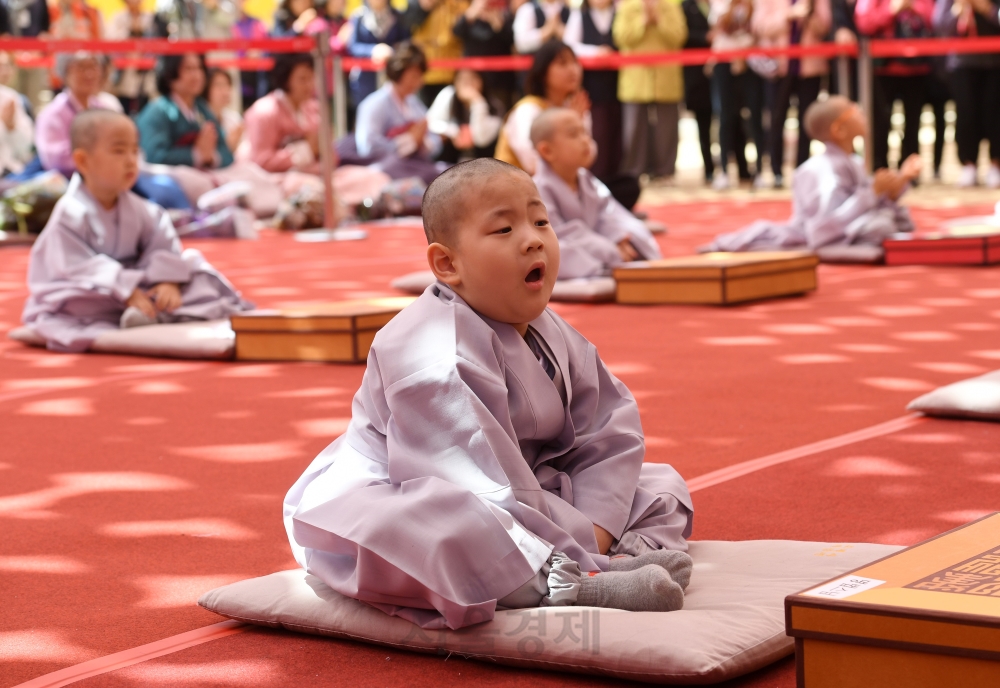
806, 91
735, 92
698, 101
977, 104
606, 117
912, 90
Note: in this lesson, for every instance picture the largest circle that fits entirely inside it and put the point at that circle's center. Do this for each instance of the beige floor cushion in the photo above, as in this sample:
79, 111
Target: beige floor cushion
733, 620
590, 290
851, 254
977, 398
212, 339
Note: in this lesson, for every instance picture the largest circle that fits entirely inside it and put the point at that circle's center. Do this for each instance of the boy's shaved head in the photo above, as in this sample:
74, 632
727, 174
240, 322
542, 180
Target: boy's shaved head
545, 125
448, 196
87, 126
822, 114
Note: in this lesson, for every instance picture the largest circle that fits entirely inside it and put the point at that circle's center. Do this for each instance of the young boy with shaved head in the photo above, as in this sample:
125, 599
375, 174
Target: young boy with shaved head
834, 200
492, 460
107, 258
596, 232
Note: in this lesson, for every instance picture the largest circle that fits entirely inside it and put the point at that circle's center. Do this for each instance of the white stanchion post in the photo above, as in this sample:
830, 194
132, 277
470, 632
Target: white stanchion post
339, 97
866, 95
321, 54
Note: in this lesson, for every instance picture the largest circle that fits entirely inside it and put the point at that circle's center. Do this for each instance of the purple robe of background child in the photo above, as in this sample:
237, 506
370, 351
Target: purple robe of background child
833, 203
88, 260
590, 224
465, 465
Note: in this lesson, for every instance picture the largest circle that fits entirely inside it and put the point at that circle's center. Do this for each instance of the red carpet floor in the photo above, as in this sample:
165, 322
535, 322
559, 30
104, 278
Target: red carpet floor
129, 485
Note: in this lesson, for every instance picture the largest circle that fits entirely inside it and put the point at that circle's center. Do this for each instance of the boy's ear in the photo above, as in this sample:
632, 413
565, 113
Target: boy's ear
442, 264
544, 149
80, 160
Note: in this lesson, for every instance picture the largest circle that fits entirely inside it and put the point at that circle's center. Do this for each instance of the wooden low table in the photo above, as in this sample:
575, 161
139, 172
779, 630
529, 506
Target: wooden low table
953, 248
339, 332
926, 616
717, 278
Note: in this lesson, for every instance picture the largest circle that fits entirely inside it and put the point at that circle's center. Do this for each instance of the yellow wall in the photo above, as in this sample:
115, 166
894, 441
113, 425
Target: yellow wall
262, 9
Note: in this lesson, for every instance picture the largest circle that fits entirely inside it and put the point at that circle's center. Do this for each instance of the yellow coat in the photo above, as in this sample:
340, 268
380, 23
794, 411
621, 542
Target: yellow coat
657, 84
436, 39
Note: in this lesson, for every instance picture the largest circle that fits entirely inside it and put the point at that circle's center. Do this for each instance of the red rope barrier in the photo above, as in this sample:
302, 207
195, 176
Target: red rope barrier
157, 46
161, 46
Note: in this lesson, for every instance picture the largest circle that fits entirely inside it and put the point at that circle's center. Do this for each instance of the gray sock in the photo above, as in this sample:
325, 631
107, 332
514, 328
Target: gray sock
133, 317
677, 564
649, 589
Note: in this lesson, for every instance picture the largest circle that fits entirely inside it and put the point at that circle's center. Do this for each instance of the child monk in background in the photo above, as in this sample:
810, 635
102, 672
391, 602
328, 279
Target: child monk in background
492, 460
595, 232
107, 258
834, 201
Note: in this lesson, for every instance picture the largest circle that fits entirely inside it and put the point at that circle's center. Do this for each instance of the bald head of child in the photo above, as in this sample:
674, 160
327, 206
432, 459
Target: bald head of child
562, 141
490, 240
106, 153
836, 120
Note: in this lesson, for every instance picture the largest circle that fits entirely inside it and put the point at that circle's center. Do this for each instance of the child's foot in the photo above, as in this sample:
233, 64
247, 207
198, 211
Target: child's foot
133, 317
649, 589
677, 564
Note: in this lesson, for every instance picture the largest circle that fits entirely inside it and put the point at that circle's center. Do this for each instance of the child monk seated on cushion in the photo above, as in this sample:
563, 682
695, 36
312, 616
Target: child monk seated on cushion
492, 460
109, 259
834, 200
595, 231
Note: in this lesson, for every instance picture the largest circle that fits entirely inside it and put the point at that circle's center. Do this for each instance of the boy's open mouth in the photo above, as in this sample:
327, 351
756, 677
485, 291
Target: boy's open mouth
536, 274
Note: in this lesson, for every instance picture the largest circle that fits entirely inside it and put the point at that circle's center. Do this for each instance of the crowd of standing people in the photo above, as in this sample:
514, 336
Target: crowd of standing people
412, 120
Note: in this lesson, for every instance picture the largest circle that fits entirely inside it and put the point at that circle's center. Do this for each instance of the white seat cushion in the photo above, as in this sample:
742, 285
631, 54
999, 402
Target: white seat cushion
977, 398
213, 339
586, 290
851, 254
733, 621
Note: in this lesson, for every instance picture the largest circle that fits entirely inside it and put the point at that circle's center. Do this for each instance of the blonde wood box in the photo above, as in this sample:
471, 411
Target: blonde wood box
334, 333
927, 616
717, 278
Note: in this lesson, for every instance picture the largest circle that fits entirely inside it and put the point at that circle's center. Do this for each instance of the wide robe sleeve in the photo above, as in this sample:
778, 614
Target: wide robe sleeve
65, 265
606, 457
582, 251
829, 200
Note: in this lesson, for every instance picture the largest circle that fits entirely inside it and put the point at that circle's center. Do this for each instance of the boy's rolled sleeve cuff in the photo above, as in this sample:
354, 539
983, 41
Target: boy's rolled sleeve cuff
126, 283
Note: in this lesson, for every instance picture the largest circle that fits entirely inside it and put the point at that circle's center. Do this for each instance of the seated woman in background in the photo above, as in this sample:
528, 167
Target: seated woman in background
84, 75
554, 80
465, 119
392, 122
17, 131
219, 95
182, 137
282, 132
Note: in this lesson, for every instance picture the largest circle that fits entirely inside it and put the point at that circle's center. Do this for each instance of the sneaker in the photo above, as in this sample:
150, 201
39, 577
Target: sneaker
779, 182
993, 177
133, 317
967, 177
721, 182
759, 183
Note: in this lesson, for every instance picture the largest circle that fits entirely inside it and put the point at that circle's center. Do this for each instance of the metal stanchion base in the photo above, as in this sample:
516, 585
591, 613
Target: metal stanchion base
313, 236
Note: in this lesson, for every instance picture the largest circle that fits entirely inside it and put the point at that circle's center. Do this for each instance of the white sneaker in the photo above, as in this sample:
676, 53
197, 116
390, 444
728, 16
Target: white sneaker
721, 181
967, 177
133, 317
993, 177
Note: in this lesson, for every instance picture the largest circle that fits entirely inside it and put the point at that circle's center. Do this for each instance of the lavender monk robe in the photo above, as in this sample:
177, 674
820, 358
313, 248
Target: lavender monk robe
590, 224
464, 466
832, 204
88, 261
